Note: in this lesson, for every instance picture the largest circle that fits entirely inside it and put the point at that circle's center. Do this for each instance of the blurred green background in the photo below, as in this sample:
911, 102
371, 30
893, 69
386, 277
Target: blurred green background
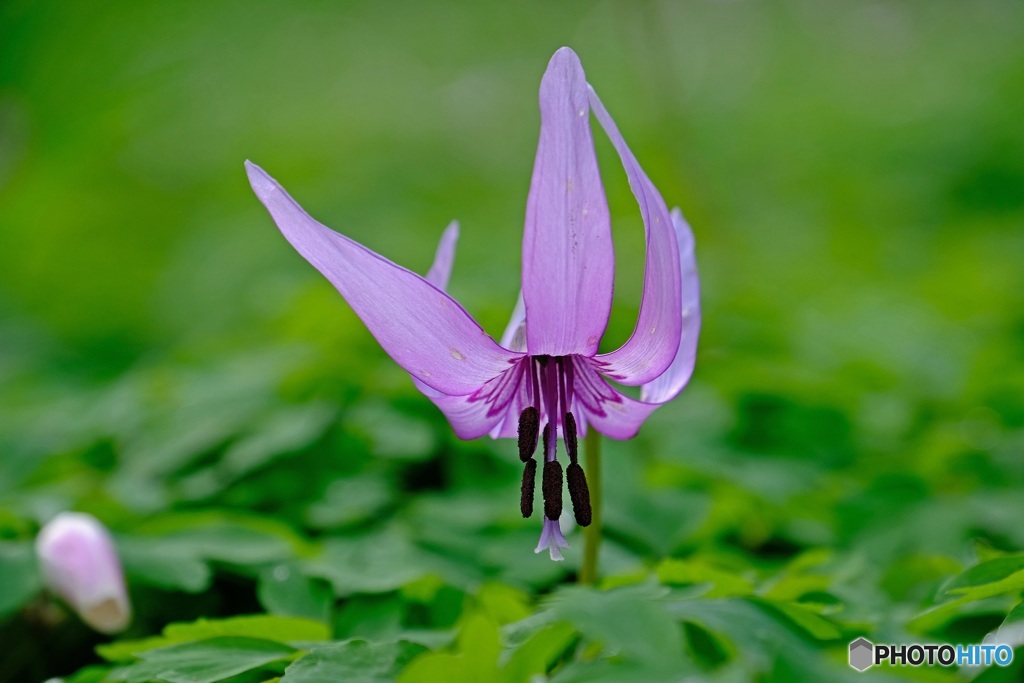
851, 442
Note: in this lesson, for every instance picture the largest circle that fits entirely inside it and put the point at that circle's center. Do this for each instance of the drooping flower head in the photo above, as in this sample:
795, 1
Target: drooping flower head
545, 379
79, 563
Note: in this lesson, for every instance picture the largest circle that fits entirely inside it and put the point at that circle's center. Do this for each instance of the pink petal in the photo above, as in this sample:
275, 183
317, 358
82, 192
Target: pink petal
423, 329
568, 259
514, 337
672, 381
444, 258
653, 344
479, 413
79, 562
471, 416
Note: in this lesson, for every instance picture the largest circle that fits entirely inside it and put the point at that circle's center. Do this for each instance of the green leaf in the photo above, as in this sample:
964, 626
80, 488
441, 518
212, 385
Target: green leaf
272, 627
352, 661
151, 561
350, 501
285, 590
629, 621
1015, 615
503, 603
281, 629
805, 619
1000, 576
993, 577
721, 583
392, 433
538, 653
204, 661
373, 563
287, 429
478, 647
19, 577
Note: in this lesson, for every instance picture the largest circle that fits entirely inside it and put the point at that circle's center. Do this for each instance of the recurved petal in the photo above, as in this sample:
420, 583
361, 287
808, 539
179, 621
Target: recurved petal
423, 329
568, 259
672, 381
653, 344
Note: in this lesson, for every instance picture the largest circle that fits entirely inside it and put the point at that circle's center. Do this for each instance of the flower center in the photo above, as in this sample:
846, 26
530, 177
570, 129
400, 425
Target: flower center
551, 391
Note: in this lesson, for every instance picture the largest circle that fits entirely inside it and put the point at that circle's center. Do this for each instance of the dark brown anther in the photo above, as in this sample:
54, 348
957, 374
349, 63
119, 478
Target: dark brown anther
551, 487
569, 435
526, 495
529, 427
579, 494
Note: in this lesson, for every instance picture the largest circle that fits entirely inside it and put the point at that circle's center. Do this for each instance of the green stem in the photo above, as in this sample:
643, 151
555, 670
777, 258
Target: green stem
592, 533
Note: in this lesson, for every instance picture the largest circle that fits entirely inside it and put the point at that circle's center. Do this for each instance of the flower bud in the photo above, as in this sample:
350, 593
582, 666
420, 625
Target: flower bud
79, 563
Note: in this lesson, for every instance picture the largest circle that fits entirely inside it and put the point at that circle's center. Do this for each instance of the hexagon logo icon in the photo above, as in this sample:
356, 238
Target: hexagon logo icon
862, 654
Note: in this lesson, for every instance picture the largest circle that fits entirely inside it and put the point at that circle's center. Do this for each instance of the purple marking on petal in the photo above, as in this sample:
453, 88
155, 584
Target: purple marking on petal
605, 408
652, 346
475, 415
423, 329
672, 381
568, 258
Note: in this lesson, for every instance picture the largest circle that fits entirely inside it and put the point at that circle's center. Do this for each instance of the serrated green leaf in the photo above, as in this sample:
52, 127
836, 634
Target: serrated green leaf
352, 661
628, 621
204, 661
282, 629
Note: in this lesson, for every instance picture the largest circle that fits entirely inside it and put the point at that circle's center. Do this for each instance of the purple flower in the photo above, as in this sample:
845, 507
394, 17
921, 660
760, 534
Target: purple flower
546, 378
80, 564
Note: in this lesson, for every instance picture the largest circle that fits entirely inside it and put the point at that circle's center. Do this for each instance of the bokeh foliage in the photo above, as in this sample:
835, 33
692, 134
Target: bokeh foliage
847, 461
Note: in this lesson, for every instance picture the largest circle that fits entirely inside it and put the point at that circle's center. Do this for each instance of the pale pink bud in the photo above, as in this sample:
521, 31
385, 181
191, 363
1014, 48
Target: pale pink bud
80, 564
